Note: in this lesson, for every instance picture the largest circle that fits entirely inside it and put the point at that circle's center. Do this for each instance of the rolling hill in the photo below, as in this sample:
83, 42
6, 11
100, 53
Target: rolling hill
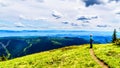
66, 57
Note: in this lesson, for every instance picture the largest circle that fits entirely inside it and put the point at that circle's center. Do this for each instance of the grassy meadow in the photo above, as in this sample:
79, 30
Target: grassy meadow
109, 53
67, 57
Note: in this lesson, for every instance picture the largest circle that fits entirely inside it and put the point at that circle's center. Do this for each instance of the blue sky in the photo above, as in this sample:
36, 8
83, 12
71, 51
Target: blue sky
100, 15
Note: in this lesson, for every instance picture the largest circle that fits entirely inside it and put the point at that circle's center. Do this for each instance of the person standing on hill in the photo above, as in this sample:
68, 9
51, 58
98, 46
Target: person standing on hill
91, 41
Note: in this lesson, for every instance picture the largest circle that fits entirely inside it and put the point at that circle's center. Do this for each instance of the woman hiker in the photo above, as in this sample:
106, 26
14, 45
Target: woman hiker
91, 41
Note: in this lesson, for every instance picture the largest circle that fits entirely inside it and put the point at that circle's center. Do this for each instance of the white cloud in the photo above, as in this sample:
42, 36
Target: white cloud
56, 14
26, 12
19, 24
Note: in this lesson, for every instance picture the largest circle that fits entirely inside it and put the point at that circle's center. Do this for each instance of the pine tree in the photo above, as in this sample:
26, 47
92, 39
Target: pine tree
114, 37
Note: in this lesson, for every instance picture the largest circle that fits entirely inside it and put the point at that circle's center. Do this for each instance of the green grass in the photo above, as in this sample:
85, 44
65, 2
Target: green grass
67, 57
109, 53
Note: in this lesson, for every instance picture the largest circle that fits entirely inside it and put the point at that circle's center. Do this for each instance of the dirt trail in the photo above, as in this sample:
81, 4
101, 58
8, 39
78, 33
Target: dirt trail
101, 63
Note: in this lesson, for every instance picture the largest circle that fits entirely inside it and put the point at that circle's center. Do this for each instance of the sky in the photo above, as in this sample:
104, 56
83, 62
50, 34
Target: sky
93, 15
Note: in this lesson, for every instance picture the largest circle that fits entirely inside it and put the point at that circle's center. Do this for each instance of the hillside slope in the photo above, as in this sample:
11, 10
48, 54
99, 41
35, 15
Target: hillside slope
21, 46
67, 57
109, 53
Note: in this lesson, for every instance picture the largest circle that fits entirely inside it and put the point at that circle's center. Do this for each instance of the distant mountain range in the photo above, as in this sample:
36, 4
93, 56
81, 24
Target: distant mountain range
19, 43
13, 47
42, 31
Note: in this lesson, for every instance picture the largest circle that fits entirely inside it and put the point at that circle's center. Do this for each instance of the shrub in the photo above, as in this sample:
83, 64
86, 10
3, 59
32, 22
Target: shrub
3, 58
117, 42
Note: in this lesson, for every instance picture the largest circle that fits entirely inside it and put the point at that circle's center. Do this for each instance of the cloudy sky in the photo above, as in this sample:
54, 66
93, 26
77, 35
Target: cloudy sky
60, 14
